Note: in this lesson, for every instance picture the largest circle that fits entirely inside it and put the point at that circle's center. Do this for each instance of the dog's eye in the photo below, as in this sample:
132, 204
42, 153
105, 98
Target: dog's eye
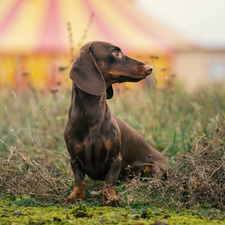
117, 53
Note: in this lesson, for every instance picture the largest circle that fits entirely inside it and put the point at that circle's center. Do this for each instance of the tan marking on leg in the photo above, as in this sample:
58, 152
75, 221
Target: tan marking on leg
79, 148
148, 171
109, 196
107, 144
77, 193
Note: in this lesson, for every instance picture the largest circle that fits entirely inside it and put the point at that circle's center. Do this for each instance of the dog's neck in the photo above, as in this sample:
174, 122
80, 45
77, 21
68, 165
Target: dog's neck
93, 110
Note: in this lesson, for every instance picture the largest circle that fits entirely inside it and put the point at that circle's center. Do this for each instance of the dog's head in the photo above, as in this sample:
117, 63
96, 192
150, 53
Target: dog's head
101, 64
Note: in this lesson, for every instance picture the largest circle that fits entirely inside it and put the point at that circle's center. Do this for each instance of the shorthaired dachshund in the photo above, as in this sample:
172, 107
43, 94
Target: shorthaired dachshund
101, 145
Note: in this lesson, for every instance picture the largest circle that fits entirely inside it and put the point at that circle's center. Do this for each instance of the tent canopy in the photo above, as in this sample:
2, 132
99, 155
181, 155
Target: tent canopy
40, 26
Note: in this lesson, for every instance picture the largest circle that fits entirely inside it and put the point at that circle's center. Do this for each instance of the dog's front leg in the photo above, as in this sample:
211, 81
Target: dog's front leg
109, 194
79, 177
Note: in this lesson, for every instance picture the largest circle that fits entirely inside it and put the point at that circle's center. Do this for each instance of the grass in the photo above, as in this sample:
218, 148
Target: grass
24, 211
189, 129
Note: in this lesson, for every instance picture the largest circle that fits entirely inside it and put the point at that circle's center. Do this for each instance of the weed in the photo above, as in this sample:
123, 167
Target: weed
189, 129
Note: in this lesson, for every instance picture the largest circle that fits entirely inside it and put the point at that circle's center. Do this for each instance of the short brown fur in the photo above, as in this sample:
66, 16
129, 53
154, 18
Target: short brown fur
101, 145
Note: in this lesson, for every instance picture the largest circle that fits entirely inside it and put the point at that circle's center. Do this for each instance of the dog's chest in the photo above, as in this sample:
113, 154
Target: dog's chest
94, 157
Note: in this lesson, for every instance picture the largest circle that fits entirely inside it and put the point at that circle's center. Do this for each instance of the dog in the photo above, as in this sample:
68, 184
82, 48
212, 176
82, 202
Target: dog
101, 145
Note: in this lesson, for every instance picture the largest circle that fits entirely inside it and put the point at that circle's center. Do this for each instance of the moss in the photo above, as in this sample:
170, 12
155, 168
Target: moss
147, 214
85, 214
76, 209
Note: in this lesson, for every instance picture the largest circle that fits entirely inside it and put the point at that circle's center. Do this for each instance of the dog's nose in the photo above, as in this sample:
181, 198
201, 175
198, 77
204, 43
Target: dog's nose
148, 68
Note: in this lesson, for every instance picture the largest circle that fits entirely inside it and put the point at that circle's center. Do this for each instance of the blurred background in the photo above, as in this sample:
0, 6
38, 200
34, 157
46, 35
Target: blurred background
183, 40
177, 113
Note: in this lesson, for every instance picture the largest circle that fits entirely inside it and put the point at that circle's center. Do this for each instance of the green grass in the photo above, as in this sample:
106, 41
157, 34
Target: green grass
25, 211
168, 121
34, 162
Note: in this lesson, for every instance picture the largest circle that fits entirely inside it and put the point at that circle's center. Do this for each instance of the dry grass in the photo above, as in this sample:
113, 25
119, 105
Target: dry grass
188, 128
196, 179
24, 176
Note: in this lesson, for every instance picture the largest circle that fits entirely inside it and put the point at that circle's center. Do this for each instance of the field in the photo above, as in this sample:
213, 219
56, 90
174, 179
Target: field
188, 128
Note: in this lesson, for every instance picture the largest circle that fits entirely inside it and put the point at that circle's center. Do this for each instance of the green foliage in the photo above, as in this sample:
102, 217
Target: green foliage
36, 176
81, 207
168, 121
10, 213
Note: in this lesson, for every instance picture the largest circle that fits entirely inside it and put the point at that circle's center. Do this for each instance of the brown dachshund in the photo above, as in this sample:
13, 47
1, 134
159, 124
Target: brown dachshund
101, 145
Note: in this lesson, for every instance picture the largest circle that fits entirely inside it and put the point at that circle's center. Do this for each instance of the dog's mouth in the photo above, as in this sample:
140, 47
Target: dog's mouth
130, 79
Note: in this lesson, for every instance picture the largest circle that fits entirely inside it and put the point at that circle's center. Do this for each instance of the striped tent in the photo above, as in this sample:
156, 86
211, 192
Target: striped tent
37, 37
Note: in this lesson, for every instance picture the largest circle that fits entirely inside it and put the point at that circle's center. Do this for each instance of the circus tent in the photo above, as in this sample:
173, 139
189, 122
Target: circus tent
35, 37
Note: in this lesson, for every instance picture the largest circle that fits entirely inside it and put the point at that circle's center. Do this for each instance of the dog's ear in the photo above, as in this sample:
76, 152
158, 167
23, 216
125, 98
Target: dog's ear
109, 92
86, 74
